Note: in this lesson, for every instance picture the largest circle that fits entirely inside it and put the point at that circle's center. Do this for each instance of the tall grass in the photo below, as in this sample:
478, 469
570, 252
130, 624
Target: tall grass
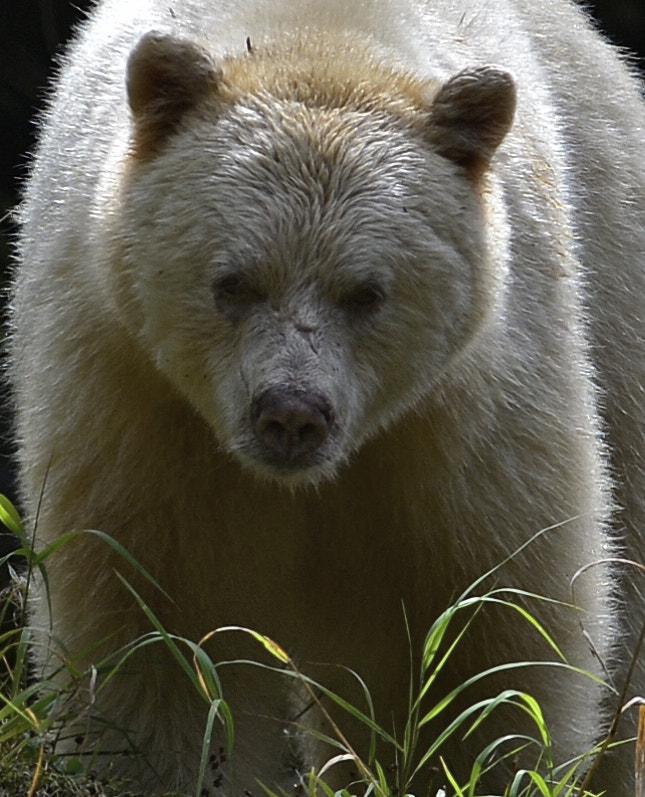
34, 714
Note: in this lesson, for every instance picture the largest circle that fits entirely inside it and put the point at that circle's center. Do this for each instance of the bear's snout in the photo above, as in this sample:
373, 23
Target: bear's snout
291, 424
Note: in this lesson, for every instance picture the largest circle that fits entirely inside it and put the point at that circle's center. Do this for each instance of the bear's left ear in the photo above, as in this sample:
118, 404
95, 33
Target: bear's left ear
166, 76
470, 116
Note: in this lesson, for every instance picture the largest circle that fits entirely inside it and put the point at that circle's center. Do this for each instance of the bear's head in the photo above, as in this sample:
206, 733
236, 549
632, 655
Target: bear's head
304, 240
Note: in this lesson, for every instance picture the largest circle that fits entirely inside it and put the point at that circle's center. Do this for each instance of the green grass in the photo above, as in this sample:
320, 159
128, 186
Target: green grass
33, 715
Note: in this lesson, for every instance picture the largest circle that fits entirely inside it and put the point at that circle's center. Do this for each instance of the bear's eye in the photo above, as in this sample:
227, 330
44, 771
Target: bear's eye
230, 287
234, 295
365, 298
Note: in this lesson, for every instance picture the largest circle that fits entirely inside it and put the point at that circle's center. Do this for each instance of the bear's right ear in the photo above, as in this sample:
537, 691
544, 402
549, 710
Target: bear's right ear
471, 115
166, 76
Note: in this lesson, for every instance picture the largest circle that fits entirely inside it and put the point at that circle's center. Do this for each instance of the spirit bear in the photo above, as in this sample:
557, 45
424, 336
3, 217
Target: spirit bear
322, 311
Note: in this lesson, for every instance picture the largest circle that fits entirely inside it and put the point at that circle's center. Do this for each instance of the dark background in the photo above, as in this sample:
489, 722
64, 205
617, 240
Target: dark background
32, 32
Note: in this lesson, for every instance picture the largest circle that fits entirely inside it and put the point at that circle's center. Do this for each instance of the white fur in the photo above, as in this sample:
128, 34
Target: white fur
497, 390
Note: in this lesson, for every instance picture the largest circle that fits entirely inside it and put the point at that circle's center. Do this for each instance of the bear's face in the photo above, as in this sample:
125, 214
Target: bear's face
304, 274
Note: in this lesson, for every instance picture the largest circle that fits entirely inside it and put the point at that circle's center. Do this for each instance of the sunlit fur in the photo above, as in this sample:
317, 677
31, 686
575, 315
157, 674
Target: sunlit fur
297, 195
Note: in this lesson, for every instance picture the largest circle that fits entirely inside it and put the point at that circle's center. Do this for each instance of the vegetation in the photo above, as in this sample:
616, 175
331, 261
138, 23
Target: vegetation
33, 714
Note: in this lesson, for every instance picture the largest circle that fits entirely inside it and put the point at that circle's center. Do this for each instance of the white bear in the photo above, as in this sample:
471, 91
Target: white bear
322, 311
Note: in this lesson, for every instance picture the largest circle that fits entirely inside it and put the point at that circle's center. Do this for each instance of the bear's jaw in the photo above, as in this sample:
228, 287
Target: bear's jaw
294, 474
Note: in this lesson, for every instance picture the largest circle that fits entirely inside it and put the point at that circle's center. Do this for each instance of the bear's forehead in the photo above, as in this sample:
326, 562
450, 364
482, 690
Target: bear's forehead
285, 173
291, 139
318, 100
337, 172
298, 196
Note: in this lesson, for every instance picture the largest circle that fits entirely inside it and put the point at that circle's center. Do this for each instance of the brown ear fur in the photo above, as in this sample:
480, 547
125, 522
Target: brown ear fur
166, 76
471, 115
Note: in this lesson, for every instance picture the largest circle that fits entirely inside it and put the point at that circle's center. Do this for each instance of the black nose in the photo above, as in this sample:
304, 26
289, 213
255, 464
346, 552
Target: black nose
291, 424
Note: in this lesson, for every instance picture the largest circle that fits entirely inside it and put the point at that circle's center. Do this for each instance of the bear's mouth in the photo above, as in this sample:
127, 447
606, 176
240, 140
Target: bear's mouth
303, 470
289, 435
291, 462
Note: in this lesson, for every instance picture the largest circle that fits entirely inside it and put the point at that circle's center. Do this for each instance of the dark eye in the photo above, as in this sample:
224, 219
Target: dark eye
234, 295
230, 287
365, 298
